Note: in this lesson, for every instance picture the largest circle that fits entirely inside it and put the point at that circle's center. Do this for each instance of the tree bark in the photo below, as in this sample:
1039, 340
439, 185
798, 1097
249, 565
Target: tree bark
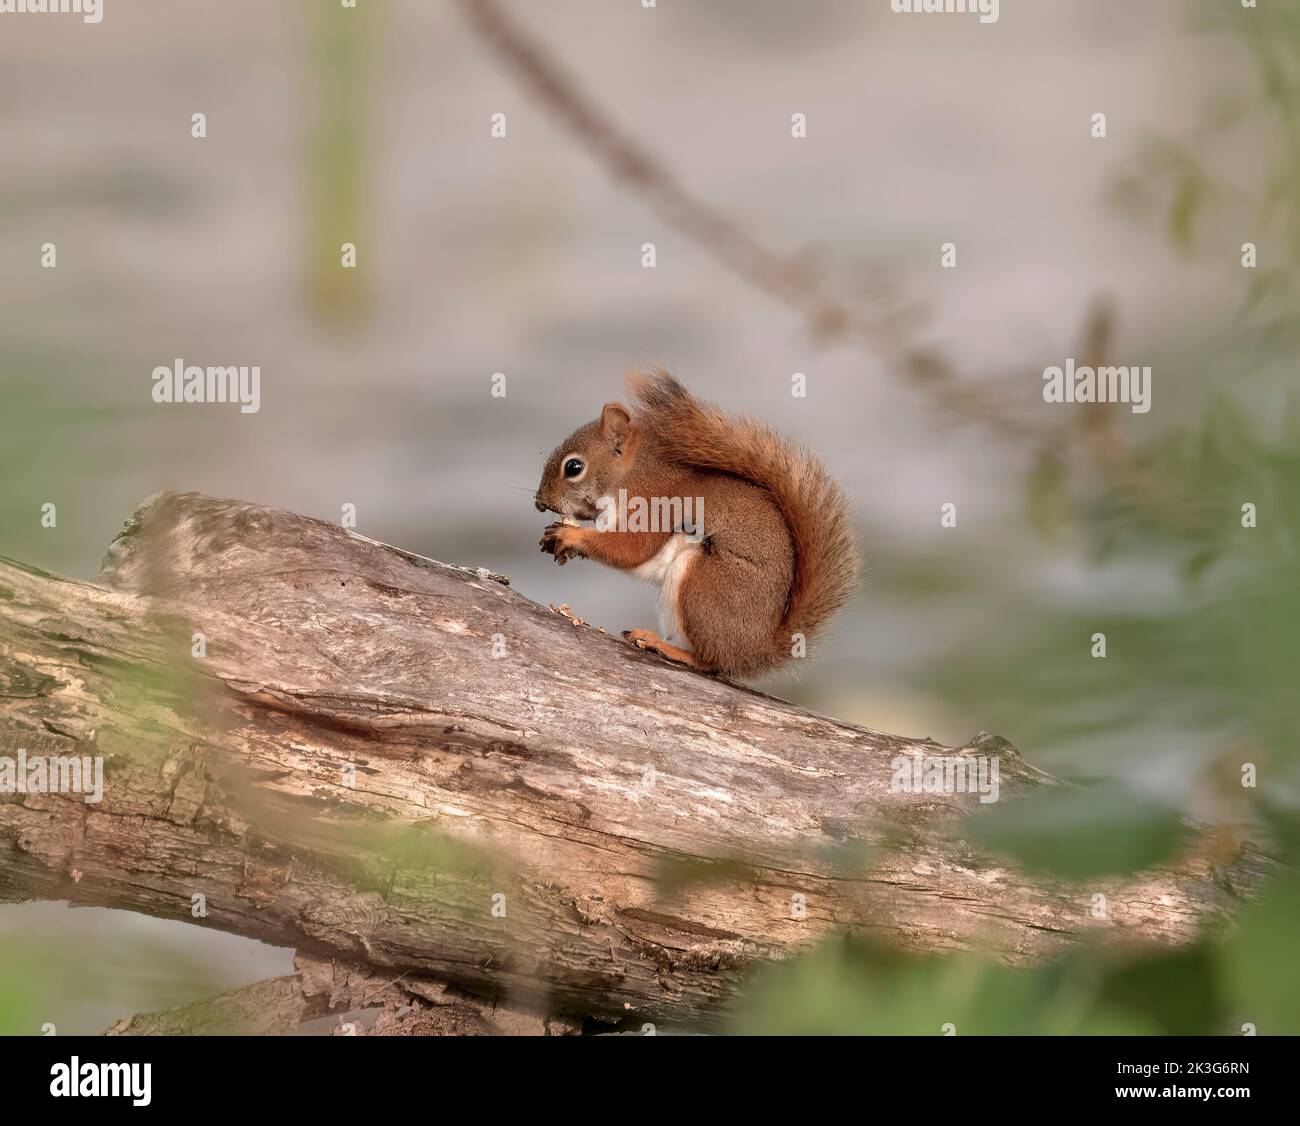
393, 762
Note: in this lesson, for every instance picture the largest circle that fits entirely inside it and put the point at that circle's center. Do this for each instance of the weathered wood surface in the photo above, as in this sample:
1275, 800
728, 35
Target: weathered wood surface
375, 745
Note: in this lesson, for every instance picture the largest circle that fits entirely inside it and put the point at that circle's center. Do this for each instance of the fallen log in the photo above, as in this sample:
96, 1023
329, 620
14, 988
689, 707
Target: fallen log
328, 743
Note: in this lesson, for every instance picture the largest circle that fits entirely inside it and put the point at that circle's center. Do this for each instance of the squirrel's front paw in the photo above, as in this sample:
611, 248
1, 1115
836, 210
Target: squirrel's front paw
562, 541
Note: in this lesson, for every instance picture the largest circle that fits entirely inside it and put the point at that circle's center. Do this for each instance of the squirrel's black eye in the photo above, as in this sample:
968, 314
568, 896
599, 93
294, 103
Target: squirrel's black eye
573, 467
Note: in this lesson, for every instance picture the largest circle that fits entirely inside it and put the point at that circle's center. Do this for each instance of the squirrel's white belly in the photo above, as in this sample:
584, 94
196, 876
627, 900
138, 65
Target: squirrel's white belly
666, 570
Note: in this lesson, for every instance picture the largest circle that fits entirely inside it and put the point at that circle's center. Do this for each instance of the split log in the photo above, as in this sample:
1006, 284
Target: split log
385, 760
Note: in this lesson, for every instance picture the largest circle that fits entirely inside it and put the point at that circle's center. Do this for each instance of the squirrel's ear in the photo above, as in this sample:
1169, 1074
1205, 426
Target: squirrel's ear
615, 423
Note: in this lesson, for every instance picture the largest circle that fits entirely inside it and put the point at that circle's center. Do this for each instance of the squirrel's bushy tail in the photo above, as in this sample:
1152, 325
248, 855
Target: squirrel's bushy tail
813, 504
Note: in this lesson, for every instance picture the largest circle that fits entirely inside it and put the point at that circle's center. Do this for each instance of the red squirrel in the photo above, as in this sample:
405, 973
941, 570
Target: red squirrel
765, 555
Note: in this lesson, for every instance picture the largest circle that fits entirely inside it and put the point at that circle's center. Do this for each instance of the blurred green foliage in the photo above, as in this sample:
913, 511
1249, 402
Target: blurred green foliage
847, 987
1078, 834
79, 986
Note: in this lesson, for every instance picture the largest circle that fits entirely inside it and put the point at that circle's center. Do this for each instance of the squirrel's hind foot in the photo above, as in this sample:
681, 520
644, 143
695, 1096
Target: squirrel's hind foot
651, 642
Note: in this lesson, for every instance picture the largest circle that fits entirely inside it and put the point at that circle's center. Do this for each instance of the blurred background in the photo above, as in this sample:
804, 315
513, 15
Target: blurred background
523, 255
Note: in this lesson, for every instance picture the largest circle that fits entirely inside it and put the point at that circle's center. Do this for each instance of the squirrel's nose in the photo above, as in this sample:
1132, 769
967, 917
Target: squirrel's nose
540, 506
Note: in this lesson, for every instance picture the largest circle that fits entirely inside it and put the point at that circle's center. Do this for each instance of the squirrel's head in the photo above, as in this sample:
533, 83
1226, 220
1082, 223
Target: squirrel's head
589, 464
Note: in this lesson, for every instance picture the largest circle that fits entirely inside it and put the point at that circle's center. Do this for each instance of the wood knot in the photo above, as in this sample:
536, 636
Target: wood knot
351, 920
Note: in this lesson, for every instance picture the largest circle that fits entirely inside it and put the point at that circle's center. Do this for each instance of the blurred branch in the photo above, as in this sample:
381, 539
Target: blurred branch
376, 750
788, 279
341, 73
360, 1003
